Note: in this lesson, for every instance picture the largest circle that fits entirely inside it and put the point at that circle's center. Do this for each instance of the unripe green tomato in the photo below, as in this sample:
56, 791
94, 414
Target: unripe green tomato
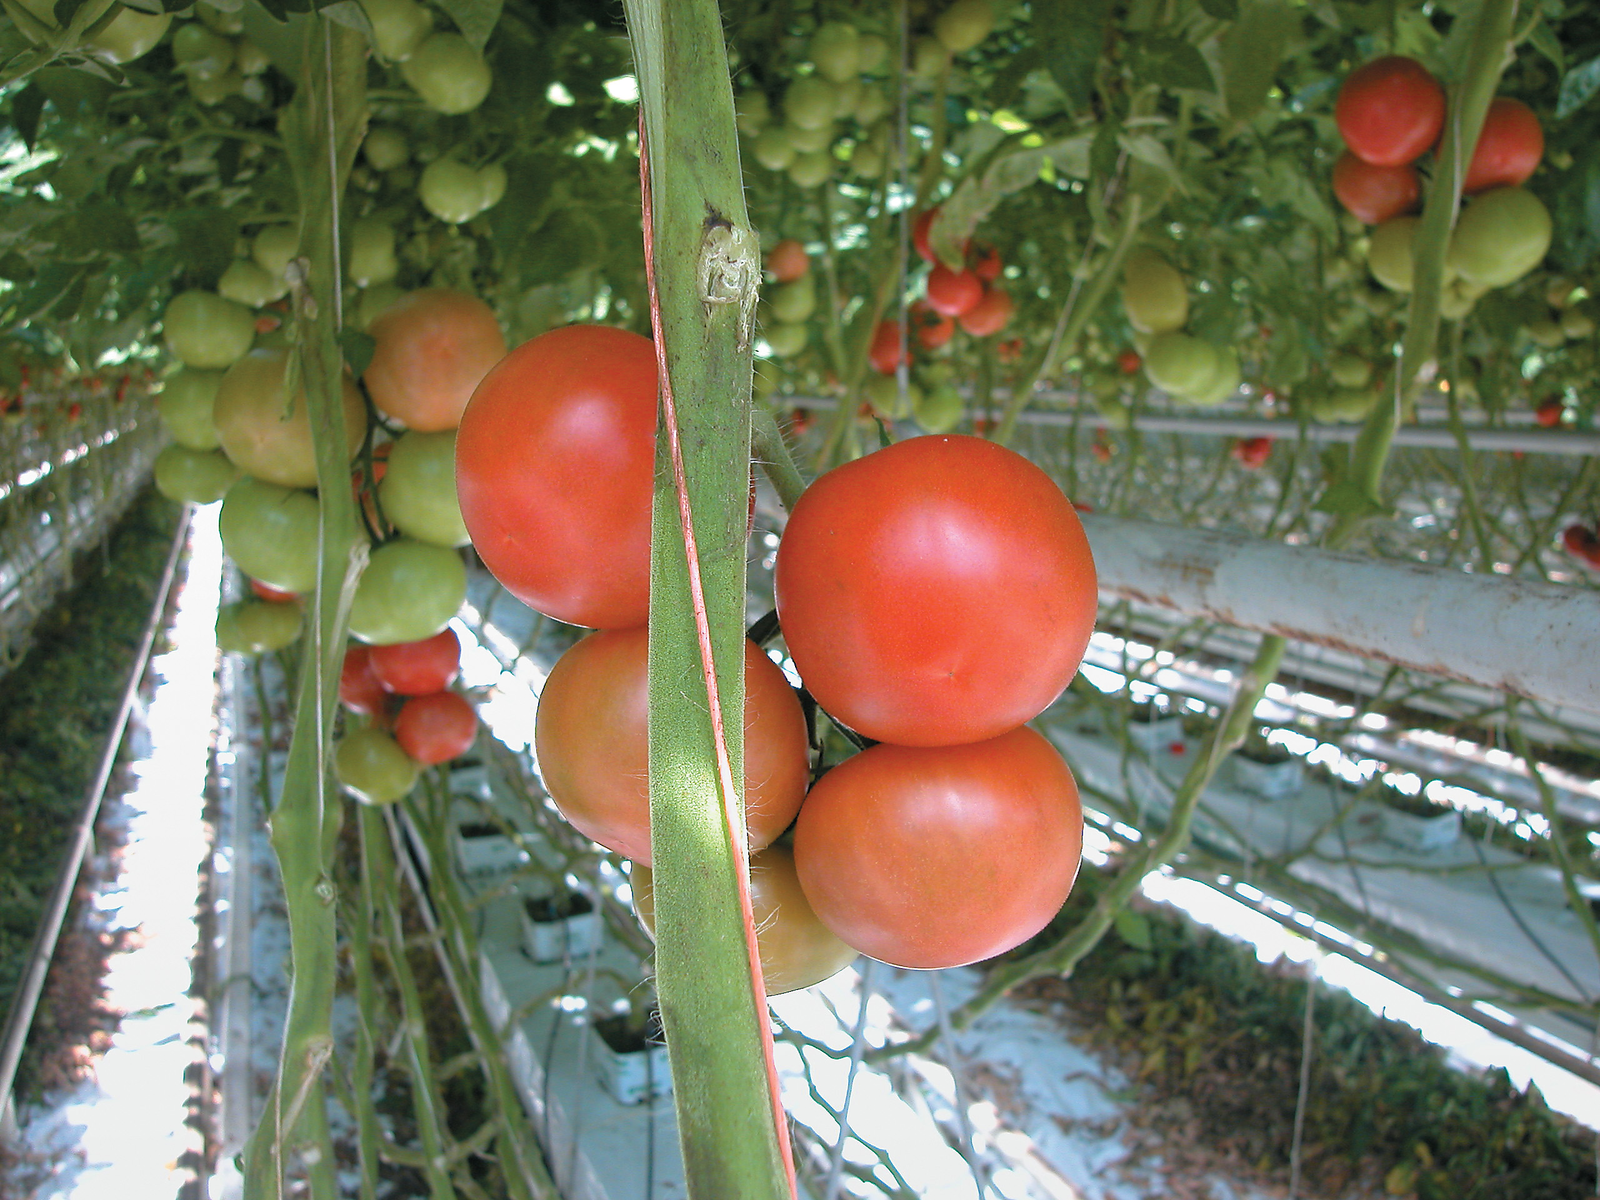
1179, 364
371, 259
785, 339
398, 27
385, 148
836, 50
248, 282
1223, 383
772, 148
1344, 404
194, 476
883, 393
185, 406
808, 103
449, 75
492, 180
929, 58
1577, 324
257, 626
1389, 253
812, 169
250, 59
1558, 292
963, 25
939, 409
1154, 293
207, 331
127, 36
1116, 415
215, 89
867, 160
451, 190
418, 491
1546, 332
274, 246
872, 106
1503, 234
794, 301
271, 533
1457, 298
1349, 371
408, 592
373, 302
371, 764
752, 112
200, 53
808, 141
228, 24
872, 52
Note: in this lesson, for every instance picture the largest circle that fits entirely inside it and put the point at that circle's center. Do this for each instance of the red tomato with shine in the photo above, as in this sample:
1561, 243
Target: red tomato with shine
359, 689
938, 591
788, 261
436, 728
1508, 149
1252, 452
418, 668
938, 857
554, 466
1375, 194
886, 349
989, 315
933, 330
953, 293
1390, 111
591, 737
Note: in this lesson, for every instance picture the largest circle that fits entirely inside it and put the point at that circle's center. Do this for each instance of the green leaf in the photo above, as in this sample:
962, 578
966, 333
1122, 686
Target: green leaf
1133, 928
1010, 166
530, 196
1222, 10
1347, 498
1172, 63
94, 229
25, 112
567, 242
1546, 43
49, 287
1252, 52
1008, 80
1578, 88
1104, 150
70, 89
1072, 34
358, 348
204, 239
475, 18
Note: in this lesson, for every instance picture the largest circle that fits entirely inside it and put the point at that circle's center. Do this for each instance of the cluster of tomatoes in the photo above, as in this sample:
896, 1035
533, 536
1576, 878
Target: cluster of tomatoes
240, 437
1155, 296
1390, 112
934, 596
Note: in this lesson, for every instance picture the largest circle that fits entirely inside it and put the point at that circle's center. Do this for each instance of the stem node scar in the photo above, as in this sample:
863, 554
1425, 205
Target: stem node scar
325, 891
730, 271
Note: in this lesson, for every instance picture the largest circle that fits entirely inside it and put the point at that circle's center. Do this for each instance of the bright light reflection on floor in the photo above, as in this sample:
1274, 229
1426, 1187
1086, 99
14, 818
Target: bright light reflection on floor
123, 1130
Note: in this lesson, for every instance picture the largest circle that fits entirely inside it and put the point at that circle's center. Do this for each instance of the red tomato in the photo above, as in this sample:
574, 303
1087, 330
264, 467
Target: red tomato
943, 856
555, 460
1550, 413
359, 689
1252, 452
933, 330
937, 591
988, 266
919, 233
1581, 542
989, 315
1508, 150
1390, 111
436, 728
275, 595
1129, 362
1375, 194
433, 347
788, 261
590, 736
953, 292
1009, 351
418, 668
886, 349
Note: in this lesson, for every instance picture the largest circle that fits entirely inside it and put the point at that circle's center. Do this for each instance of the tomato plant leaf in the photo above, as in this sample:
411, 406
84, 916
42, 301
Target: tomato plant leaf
1578, 88
1071, 35
1172, 63
204, 238
358, 348
1133, 928
347, 13
475, 18
1008, 80
49, 287
26, 109
1222, 10
69, 90
95, 228
1252, 51
1546, 43
64, 10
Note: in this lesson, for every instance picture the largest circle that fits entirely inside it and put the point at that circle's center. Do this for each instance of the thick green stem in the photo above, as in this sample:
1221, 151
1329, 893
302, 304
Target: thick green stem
703, 271
323, 129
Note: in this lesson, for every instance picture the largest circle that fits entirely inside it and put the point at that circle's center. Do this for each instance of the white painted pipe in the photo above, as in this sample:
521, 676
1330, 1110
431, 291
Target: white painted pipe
1526, 637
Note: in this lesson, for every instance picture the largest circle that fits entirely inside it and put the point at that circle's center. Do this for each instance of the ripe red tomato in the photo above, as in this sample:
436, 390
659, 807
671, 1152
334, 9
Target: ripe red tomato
938, 591
953, 292
1550, 413
1508, 150
886, 349
1252, 452
1583, 544
788, 261
1390, 111
797, 950
436, 728
433, 348
938, 857
989, 315
269, 593
1375, 194
359, 689
555, 460
988, 265
1129, 362
932, 329
418, 668
921, 228
590, 736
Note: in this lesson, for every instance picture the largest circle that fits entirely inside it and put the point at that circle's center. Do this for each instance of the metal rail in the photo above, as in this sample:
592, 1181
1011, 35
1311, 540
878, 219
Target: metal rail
23, 1004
